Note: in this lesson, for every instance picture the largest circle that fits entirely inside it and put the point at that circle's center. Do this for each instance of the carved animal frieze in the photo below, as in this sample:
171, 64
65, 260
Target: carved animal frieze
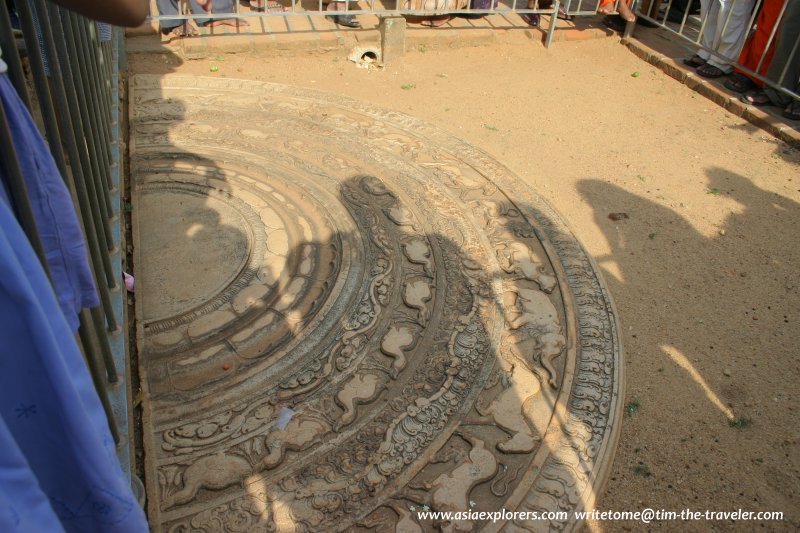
371, 319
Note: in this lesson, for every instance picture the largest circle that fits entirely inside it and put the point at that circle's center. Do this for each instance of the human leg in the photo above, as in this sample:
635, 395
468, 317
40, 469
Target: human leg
168, 8
755, 49
787, 38
709, 11
608, 7
531, 19
731, 30
218, 7
349, 21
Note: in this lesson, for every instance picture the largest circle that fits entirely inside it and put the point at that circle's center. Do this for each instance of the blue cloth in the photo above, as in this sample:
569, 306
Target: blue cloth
23, 505
50, 412
104, 31
53, 210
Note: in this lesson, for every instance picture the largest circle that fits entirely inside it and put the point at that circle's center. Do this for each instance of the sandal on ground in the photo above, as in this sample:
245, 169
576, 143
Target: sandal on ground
531, 19
270, 6
695, 61
710, 71
435, 22
562, 13
232, 22
348, 21
183, 30
792, 111
756, 98
739, 83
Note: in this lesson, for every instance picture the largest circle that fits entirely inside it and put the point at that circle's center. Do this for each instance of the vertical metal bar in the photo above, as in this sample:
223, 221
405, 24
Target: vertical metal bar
88, 164
122, 55
91, 361
735, 58
105, 347
89, 109
43, 89
91, 41
8, 44
9, 164
725, 26
703, 22
66, 102
771, 35
75, 178
106, 59
553, 20
629, 27
82, 28
789, 60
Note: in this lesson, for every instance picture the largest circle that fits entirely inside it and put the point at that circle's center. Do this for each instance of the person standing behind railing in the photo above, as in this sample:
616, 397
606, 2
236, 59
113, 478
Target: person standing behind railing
182, 28
724, 33
786, 63
58, 464
755, 49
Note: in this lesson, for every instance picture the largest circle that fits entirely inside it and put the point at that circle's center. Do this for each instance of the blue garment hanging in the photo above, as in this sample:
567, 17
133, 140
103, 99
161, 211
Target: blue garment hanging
23, 505
53, 210
50, 410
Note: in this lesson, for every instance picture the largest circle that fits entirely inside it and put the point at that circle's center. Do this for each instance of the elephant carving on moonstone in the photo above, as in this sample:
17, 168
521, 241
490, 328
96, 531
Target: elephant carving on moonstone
298, 435
221, 470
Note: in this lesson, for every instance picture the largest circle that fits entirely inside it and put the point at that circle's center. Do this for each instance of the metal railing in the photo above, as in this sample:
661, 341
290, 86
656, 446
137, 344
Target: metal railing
739, 20
73, 68
295, 8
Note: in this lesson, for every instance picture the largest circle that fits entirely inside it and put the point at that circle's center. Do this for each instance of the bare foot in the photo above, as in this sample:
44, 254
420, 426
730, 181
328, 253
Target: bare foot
183, 30
226, 22
435, 22
607, 9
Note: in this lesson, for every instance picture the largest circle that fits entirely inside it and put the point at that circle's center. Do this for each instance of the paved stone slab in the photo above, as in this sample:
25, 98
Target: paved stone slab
346, 315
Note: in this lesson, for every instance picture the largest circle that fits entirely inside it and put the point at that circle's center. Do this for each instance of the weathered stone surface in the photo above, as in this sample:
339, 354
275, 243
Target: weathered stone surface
349, 314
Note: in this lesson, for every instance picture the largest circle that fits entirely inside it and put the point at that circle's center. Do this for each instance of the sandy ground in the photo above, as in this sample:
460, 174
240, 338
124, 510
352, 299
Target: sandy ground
704, 270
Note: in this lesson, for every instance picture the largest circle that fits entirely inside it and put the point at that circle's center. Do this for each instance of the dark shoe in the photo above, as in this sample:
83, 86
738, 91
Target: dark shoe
792, 112
695, 61
344, 20
739, 83
711, 72
531, 19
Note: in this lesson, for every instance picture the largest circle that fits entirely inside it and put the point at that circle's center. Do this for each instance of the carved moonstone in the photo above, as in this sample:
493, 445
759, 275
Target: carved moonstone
346, 315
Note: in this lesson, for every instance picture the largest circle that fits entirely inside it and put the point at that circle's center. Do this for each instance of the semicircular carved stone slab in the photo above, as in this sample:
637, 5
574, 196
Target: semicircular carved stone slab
346, 315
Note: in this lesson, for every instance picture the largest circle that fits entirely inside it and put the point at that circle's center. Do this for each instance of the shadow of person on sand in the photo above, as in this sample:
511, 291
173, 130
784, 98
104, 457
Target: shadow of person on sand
445, 352
709, 312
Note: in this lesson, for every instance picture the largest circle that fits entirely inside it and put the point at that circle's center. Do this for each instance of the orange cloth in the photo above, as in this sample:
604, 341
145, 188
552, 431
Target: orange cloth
757, 41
